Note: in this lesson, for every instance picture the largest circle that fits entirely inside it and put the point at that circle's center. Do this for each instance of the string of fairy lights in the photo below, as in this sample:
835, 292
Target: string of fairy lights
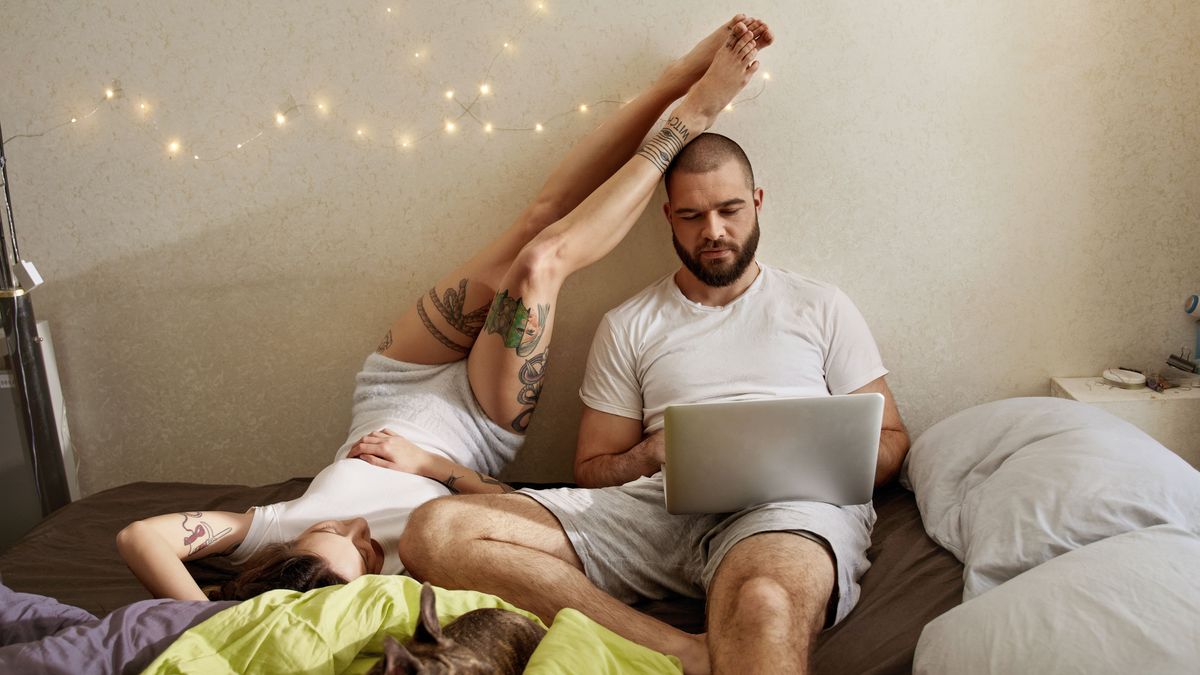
465, 111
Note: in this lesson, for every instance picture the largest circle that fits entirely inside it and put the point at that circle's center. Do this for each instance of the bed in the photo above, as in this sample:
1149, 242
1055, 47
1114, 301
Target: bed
71, 556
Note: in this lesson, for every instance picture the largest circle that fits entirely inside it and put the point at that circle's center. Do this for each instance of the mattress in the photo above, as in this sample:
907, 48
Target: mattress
72, 556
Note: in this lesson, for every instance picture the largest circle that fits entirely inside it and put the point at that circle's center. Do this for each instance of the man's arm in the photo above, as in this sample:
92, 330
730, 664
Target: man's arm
613, 451
154, 549
893, 437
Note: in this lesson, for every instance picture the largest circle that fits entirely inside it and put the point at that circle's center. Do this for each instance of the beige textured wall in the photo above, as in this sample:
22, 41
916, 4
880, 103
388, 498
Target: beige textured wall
1008, 189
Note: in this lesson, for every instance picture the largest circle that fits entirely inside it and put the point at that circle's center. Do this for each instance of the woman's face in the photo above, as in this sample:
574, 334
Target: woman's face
346, 545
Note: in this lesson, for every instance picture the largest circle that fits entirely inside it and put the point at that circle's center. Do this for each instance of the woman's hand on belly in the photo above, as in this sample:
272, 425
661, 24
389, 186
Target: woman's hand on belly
390, 450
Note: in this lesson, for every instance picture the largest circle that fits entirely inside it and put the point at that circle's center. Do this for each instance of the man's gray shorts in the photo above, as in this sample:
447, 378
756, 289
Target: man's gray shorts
631, 548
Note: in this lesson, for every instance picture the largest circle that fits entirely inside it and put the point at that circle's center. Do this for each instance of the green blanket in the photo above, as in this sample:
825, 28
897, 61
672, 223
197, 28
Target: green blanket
341, 629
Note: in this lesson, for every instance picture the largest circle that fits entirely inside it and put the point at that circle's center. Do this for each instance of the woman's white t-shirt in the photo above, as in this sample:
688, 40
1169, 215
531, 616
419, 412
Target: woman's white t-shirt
348, 488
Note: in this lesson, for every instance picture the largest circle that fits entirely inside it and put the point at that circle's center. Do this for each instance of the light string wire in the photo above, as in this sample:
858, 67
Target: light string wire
468, 108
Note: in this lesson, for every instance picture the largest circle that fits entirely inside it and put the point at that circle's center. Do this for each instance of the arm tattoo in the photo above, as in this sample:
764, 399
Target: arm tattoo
532, 373
387, 342
449, 483
667, 143
488, 480
200, 535
517, 325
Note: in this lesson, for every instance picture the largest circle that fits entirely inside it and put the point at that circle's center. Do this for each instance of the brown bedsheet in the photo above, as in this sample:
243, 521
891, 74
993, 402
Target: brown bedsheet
72, 556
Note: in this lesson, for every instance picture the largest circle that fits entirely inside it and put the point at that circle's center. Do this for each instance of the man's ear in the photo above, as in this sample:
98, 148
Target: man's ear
758, 199
428, 628
667, 212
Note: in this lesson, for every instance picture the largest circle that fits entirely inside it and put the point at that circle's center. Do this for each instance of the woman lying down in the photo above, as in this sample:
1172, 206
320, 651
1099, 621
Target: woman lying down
444, 403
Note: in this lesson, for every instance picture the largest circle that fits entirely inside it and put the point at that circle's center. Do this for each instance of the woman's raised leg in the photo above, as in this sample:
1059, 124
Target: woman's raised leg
444, 322
508, 362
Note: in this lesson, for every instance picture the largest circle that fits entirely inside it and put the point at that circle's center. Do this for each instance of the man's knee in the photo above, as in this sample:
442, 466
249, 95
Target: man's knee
433, 528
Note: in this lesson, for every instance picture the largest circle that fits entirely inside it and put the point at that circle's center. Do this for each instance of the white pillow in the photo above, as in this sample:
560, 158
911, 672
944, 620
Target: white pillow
1128, 604
1007, 485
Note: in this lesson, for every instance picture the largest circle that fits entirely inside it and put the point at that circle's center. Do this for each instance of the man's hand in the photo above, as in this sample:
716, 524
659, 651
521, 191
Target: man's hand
390, 450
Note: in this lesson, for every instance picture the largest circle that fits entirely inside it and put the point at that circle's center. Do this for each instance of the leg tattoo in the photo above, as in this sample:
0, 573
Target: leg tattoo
517, 325
532, 373
667, 143
450, 306
437, 334
387, 342
451, 309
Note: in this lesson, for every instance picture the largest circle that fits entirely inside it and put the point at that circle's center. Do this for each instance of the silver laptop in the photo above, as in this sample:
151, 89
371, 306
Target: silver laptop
727, 456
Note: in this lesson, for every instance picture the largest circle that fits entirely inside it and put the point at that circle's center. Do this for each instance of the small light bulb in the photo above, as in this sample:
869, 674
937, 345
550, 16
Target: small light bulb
239, 147
142, 106
538, 127
109, 93
583, 107
451, 127
404, 142
389, 10
73, 120
487, 128
195, 156
541, 6
766, 75
280, 118
173, 147
729, 106
359, 132
485, 88
508, 45
416, 55
449, 94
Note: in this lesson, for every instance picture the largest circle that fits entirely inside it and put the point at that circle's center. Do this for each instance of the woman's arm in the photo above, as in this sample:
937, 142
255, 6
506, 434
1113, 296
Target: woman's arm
389, 450
155, 548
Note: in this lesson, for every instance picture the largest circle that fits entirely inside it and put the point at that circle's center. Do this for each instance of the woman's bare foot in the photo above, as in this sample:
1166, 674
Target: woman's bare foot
762, 32
684, 71
730, 71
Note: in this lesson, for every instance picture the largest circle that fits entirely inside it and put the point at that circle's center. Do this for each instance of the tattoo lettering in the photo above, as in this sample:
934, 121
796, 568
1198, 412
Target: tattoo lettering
387, 342
450, 306
519, 327
531, 374
449, 483
200, 535
437, 334
488, 480
667, 143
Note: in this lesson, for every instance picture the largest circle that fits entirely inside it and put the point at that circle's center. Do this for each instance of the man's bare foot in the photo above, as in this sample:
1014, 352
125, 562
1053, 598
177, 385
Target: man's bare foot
730, 71
694, 657
684, 71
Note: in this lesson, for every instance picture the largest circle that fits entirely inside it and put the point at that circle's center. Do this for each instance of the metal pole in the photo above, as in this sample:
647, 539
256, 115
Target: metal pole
39, 431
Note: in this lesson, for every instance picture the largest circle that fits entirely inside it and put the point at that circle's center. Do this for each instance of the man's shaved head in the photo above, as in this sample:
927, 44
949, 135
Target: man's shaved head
706, 153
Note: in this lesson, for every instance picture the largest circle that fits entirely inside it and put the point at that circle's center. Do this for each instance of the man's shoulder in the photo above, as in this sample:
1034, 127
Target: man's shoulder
645, 301
796, 284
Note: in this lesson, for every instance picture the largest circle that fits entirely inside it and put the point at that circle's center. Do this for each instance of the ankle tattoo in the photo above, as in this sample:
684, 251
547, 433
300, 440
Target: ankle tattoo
667, 143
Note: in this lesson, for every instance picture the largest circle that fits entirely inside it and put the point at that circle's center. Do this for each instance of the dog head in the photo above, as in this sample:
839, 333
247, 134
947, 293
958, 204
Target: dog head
481, 641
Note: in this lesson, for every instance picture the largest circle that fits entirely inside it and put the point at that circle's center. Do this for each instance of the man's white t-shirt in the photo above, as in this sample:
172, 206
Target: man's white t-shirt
786, 335
348, 488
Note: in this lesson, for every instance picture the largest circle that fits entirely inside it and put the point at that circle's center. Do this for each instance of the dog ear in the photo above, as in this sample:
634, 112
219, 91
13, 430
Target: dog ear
397, 660
428, 628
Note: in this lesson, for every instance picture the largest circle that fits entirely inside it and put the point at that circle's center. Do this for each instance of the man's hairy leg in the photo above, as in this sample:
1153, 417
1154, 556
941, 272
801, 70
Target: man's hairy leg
767, 604
512, 547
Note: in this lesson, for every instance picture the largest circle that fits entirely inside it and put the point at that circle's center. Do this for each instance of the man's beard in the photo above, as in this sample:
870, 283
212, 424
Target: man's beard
719, 274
